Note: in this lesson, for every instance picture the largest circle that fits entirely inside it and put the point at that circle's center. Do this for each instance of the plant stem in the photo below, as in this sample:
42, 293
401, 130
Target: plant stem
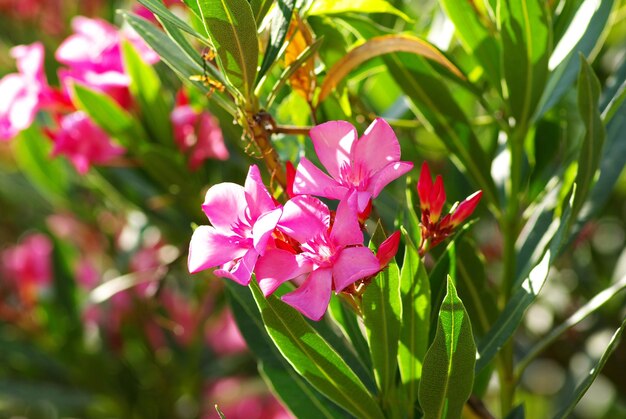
260, 125
290, 130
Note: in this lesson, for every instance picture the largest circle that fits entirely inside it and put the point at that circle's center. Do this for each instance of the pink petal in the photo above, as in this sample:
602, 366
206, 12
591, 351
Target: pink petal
258, 198
388, 249
263, 228
312, 181
312, 297
30, 60
209, 248
224, 205
377, 147
346, 230
278, 266
304, 217
239, 271
333, 143
387, 175
354, 263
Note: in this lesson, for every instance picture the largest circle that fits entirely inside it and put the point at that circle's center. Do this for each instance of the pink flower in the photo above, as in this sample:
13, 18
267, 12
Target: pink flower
365, 165
224, 336
388, 249
241, 398
29, 265
198, 134
22, 94
243, 219
83, 142
93, 55
432, 199
329, 258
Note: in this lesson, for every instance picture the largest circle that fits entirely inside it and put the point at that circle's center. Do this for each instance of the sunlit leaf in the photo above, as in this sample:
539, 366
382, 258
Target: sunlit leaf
279, 26
330, 7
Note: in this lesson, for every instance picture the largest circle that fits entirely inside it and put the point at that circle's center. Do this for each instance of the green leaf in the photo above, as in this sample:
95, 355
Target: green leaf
158, 8
437, 109
260, 8
312, 357
448, 371
347, 321
297, 394
174, 56
526, 48
293, 67
278, 31
414, 334
476, 39
572, 401
232, 30
564, 74
108, 115
193, 6
331, 7
145, 87
49, 175
382, 314
589, 158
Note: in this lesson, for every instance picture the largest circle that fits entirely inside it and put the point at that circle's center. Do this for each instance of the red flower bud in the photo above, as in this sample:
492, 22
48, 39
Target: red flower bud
464, 210
424, 187
388, 249
437, 199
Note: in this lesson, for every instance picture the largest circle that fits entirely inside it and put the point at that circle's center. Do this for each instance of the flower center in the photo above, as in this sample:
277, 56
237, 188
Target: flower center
320, 250
356, 175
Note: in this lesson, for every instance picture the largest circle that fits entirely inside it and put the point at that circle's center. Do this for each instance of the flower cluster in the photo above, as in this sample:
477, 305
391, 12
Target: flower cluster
321, 251
432, 198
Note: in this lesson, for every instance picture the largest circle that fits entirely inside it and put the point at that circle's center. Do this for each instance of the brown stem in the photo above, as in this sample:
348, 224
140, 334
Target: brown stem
290, 130
261, 125
479, 408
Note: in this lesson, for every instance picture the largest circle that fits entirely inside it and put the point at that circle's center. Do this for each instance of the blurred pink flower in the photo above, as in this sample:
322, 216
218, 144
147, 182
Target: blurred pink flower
243, 219
224, 336
365, 165
83, 142
94, 59
198, 134
331, 257
29, 265
239, 398
22, 94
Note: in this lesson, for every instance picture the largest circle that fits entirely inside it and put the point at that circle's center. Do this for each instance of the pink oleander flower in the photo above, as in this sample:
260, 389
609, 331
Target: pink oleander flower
224, 336
327, 257
22, 94
83, 142
242, 221
365, 165
432, 199
197, 133
29, 266
93, 57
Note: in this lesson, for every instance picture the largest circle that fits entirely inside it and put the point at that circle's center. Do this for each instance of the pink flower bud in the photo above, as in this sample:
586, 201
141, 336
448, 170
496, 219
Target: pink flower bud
424, 187
464, 210
437, 199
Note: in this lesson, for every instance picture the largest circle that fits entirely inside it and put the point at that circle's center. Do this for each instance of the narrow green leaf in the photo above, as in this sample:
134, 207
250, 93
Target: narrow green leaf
145, 87
193, 6
526, 31
448, 371
440, 113
589, 158
293, 67
331, 7
476, 39
174, 56
312, 357
564, 74
382, 314
582, 388
518, 412
158, 8
414, 334
278, 31
298, 396
108, 115
232, 30
260, 9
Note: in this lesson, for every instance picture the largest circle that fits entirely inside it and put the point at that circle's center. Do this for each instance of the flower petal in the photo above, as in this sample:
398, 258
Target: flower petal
387, 175
239, 271
333, 143
377, 147
304, 217
209, 248
225, 204
354, 263
312, 297
258, 198
263, 228
278, 266
310, 180
346, 230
